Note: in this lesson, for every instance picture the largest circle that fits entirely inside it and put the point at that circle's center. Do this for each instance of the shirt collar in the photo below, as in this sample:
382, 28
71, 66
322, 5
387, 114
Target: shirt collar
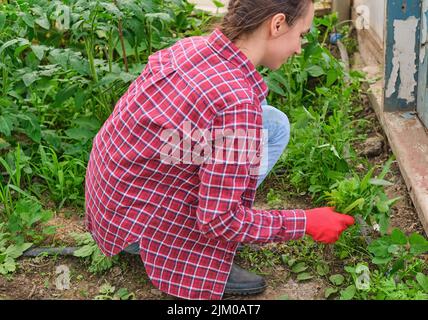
228, 50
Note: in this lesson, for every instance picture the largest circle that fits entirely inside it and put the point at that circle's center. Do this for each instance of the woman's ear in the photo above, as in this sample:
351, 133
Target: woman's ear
278, 25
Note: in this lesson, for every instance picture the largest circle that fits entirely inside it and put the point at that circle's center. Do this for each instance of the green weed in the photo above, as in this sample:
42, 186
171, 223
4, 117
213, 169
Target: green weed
89, 250
108, 292
63, 177
364, 197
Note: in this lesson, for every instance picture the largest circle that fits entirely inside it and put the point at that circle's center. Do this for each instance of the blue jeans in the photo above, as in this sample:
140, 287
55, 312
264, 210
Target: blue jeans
277, 136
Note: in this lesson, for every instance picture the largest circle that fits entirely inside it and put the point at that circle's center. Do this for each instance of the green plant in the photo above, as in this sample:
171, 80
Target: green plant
108, 292
336, 280
63, 178
305, 259
26, 221
364, 197
396, 254
259, 259
90, 251
6, 199
9, 252
274, 199
375, 285
16, 165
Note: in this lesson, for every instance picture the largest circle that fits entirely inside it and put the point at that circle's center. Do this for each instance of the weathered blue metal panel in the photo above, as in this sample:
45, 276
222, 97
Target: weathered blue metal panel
423, 67
403, 21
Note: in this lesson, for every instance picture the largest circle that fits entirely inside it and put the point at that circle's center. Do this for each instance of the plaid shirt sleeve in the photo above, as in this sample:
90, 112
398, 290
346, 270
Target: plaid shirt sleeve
221, 214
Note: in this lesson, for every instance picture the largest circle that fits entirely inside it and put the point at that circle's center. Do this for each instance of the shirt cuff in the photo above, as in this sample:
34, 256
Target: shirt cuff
294, 224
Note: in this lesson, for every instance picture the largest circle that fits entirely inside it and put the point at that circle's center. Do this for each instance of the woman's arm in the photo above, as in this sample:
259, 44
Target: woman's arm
221, 214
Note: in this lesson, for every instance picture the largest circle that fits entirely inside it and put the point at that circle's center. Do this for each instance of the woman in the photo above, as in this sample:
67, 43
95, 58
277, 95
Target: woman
174, 170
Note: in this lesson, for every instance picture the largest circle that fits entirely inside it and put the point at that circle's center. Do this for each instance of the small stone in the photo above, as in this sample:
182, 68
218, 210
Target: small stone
62, 281
156, 292
373, 146
116, 271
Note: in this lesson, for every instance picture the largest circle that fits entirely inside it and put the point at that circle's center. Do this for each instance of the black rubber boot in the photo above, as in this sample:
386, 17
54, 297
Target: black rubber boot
242, 282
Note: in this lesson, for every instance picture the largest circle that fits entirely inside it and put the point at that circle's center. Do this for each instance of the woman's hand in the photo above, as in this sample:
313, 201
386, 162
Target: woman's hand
325, 225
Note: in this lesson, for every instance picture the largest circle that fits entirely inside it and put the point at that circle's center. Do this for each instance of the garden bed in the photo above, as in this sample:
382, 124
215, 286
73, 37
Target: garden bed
36, 277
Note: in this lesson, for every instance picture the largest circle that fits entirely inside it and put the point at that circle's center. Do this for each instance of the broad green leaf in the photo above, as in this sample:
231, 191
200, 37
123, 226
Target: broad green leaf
381, 260
379, 247
31, 126
80, 134
348, 293
304, 276
315, 71
127, 77
29, 78
285, 258
5, 125
329, 291
43, 21
124, 294
39, 51
14, 251
337, 279
7, 266
398, 237
28, 19
85, 122
291, 262
331, 77
161, 16
80, 65
393, 248
423, 281
323, 269
273, 86
418, 244
84, 251
299, 267
7, 44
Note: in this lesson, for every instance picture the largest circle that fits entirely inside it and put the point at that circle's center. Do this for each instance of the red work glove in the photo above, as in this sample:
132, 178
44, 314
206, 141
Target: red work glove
326, 225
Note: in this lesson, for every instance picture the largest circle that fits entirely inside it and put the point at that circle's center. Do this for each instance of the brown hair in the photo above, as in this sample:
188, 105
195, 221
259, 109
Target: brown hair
245, 16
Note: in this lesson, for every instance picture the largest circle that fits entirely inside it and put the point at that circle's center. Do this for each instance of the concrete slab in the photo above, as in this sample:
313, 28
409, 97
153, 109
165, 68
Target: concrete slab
408, 139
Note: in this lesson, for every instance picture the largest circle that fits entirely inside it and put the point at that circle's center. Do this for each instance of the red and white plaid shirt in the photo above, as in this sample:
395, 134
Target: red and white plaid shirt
188, 218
